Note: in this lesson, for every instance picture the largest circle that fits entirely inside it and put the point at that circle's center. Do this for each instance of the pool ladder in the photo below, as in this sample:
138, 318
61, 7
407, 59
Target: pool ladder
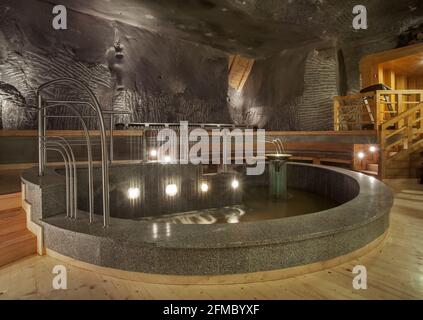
63, 147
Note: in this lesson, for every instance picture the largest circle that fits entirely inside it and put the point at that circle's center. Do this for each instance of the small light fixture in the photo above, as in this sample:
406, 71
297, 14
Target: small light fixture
235, 184
153, 153
372, 150
204, 187
167, 159
171, 190
133, 193
361, 155
233, 219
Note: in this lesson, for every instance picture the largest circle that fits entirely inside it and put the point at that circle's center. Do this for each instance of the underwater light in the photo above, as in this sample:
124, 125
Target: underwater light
204, 187
235, 184
153, 153
233, 219
133, 193
171, 190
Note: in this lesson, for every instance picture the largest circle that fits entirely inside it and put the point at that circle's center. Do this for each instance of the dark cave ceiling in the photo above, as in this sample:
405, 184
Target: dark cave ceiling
254, 27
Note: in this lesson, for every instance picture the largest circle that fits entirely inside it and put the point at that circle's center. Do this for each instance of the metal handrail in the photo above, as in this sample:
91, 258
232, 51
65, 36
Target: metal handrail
166, 125
72, 174
89, 157
42, 133
68, 211
88, 144
108, 113
74, 186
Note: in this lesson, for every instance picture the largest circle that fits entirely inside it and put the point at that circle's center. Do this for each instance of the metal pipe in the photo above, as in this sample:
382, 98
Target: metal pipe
274, 144
44, 135
144, 147
105, 165
72, 117
40, 136
72, 173
83, 144
66, 177
281, 145
89, 157
111, 139
75, 176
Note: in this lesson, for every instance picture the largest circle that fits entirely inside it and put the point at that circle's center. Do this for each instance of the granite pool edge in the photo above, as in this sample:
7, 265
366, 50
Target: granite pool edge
229, 249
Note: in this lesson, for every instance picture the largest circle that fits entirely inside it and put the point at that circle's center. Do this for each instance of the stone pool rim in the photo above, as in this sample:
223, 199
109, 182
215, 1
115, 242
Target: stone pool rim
291, 241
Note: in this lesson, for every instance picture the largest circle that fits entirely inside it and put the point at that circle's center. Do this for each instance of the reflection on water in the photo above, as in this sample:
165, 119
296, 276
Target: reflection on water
207, 216
257, 205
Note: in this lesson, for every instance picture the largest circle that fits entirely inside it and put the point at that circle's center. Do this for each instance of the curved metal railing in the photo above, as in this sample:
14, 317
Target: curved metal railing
94, 105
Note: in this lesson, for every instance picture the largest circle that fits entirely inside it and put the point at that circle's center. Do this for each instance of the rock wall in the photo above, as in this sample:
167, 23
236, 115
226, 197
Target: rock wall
290, 91
164, 79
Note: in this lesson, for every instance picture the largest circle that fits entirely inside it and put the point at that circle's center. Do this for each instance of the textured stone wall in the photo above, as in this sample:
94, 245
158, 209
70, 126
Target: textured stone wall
290, 91
164, 79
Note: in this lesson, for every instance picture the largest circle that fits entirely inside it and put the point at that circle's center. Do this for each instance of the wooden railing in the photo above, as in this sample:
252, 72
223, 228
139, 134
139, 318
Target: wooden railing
401, 135
354, 112
404, 132
371, 110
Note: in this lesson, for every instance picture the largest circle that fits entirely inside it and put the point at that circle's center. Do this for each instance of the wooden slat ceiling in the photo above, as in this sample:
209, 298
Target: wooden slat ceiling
410, 65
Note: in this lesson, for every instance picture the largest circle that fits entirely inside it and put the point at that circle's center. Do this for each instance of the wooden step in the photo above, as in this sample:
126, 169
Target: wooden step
10, 201
12, 220
16, 245
16, 241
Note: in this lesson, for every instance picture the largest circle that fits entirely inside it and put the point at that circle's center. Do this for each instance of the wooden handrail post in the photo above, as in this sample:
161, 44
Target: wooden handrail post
336, 120
421, 117
401, 109
379, 111
381, 135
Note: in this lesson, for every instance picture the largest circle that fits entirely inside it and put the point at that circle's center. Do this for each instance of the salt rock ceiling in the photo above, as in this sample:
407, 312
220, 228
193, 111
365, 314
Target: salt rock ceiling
255, 28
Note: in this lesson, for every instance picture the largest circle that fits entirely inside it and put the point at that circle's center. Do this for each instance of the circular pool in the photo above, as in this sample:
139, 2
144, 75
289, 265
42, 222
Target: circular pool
184, 230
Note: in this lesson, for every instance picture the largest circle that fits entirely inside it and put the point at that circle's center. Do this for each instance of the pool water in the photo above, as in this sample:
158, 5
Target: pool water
257, 205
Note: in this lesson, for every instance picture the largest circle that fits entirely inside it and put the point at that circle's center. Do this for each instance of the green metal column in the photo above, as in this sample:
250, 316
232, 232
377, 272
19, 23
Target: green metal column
278, 179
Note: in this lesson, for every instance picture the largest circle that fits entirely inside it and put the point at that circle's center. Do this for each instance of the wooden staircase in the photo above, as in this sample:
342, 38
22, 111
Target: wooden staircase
16, 241
401, 141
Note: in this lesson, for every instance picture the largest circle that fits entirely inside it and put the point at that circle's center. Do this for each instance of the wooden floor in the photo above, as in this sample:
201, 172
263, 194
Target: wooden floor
395, 271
